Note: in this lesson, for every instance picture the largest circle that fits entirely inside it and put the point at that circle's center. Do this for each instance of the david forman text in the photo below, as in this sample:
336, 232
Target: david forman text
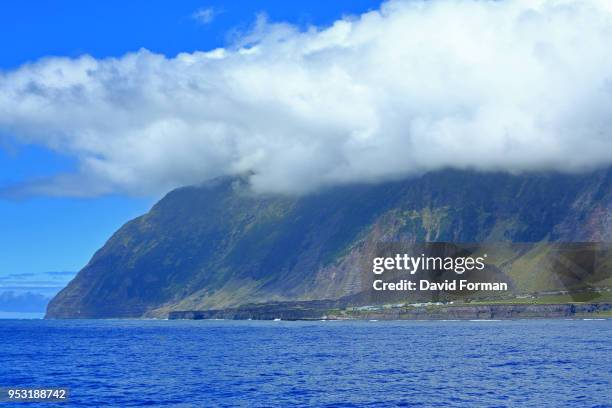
447, 286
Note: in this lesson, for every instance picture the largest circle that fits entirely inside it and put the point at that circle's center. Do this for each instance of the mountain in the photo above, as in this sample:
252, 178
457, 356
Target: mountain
220, 245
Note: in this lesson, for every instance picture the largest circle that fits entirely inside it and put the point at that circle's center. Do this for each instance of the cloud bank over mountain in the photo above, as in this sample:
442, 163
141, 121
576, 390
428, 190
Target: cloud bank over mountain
411, 87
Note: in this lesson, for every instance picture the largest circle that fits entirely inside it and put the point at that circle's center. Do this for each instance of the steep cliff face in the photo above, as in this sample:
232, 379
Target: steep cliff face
219, 245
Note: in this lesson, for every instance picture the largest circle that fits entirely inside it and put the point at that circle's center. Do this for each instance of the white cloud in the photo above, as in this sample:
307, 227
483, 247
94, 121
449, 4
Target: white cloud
414, 86
205, 15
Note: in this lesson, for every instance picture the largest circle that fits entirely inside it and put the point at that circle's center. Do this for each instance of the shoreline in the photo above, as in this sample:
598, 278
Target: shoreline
429, 312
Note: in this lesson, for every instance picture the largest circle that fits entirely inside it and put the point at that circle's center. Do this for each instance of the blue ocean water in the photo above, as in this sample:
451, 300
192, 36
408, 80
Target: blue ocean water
123, 363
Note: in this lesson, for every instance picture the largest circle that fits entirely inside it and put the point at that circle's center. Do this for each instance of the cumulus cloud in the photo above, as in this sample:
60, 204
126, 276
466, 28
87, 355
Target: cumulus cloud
411, 87
205, 15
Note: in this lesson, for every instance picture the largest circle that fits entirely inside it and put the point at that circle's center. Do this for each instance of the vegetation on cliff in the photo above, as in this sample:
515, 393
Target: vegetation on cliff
219, 245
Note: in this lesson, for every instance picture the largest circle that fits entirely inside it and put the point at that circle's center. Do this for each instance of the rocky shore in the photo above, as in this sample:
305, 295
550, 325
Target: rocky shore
328, 310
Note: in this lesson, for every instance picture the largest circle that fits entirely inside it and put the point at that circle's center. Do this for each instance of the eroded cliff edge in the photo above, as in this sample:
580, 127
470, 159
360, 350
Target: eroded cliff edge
218, 245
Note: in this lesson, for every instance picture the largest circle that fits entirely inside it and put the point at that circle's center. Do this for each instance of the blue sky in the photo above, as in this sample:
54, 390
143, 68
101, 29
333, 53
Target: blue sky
39, 234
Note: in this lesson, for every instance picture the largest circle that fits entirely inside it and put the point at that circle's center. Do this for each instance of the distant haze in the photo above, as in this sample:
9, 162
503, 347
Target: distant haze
30, 292
411, 87
27, 302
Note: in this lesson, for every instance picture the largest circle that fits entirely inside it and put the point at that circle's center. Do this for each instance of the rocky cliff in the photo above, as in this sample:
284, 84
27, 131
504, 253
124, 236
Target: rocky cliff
219, 245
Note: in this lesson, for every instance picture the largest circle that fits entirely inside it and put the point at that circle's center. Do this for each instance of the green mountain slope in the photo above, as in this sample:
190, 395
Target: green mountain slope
219, 245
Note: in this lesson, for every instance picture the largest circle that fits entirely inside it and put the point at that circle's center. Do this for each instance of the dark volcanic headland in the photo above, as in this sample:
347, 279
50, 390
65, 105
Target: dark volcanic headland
219, 246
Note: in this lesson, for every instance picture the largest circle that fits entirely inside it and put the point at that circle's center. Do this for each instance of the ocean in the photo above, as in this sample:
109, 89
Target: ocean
125, 363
